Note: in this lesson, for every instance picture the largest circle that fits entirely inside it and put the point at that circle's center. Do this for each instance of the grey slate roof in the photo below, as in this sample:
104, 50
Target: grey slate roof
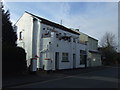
45, 21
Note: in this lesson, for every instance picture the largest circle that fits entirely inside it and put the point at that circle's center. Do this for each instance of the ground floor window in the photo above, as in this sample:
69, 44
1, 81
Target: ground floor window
65, 57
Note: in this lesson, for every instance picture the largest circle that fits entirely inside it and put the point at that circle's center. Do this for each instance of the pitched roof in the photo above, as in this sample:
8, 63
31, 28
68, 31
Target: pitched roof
45, 21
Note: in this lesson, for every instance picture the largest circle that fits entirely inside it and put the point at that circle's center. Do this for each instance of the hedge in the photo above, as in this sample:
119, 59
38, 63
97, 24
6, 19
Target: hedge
13, 60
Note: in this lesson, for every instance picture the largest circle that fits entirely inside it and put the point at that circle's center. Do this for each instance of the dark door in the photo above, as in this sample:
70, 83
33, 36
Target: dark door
85, 60
56, 60
74, 61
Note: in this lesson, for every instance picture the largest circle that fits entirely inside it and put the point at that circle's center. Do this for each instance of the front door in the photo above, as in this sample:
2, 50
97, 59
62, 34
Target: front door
56, 60
74, 61
85, 60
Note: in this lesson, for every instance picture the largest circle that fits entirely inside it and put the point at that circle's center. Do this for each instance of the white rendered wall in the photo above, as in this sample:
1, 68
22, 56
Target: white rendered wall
31, 36
63, 46
25, 24
35, 45
36, 40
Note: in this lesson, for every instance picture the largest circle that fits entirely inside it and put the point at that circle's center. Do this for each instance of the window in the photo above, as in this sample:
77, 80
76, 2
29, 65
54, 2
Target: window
59, 36
56, 35
73, 39
15, 28
20, 36
64, 34
49, 42
65, 57
43, 28
69, 39
78, 41
53, 28
47, 34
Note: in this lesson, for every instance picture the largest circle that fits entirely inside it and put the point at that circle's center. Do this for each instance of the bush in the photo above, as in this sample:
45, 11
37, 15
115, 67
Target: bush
109, 56
13, 60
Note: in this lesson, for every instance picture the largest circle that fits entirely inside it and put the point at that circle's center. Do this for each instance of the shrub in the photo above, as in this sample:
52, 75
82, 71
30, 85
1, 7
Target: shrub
13, 60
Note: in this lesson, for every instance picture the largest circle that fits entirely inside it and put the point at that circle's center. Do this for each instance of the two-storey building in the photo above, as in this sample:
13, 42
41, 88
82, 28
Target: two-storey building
93, 55
55, 46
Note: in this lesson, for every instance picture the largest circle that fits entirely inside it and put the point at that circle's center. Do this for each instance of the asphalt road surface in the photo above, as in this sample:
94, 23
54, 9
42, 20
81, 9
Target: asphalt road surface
106, 78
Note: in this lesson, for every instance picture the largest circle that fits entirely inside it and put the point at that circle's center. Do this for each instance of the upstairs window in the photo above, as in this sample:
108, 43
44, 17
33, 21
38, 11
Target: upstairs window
15, 28
57, 35
78, 41
73, 39
20, 35
43, 28
47, 34
48, 28
64, 34
69, 39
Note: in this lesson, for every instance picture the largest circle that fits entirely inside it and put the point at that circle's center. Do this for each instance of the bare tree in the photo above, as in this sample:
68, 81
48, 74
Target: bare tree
108, 48
108, 40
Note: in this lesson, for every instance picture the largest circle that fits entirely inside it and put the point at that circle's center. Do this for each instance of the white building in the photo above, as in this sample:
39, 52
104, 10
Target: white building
56, 46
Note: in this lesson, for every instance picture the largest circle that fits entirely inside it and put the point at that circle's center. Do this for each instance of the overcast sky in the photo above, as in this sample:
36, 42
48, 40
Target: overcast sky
92, 18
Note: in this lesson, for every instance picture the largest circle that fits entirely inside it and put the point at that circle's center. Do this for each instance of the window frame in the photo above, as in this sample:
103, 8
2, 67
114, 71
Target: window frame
65, 57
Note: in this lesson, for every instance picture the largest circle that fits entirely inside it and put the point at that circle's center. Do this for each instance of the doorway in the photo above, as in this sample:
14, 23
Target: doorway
56, 60
74, 61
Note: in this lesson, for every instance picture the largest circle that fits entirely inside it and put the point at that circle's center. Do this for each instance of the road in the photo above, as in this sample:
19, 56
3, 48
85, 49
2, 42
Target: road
106, 78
